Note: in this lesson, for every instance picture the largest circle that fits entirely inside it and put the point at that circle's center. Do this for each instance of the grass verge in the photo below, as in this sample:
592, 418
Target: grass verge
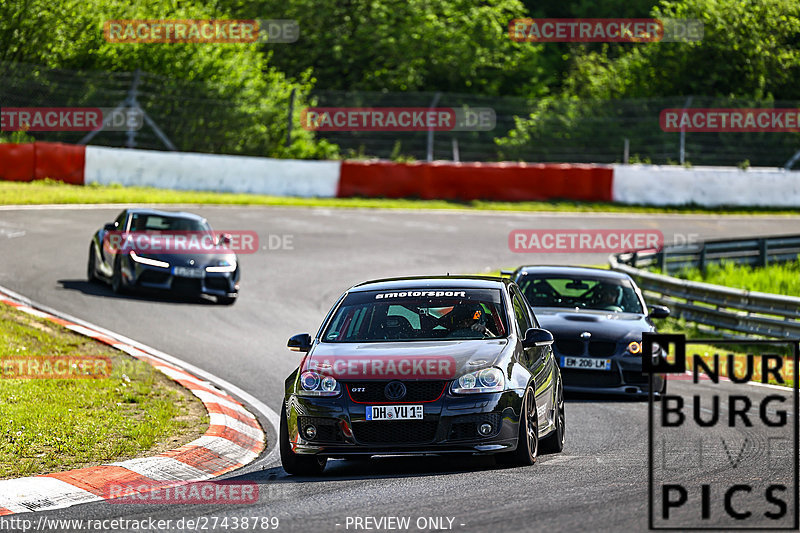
54, 192
779, 278
49, 425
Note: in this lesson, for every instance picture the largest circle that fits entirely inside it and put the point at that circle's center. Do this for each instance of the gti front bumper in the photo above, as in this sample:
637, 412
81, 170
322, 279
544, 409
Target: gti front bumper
449, 425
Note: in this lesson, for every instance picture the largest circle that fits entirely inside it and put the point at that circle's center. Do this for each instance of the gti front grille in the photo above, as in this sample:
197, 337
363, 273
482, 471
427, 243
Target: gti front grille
395, 432
416, 391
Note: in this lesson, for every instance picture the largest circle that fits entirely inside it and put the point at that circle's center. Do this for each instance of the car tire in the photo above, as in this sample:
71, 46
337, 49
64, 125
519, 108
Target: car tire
294, 464
91, 273
554, 443
528, 437
117, 284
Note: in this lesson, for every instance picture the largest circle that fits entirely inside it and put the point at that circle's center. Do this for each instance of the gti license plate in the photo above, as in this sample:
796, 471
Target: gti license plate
394, 412
186, 272
585, 363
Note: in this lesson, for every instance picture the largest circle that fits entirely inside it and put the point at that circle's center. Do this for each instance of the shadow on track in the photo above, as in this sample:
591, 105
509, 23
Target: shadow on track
99, 289
389, 468
584, 397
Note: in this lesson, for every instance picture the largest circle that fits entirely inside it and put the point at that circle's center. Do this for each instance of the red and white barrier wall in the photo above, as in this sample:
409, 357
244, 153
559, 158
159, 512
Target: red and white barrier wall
627, 184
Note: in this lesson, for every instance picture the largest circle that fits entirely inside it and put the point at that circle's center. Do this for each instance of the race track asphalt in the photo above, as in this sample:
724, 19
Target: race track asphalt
599, 482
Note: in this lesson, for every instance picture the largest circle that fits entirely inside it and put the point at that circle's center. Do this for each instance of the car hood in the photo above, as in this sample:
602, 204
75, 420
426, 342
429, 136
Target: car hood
405, 360
603, 325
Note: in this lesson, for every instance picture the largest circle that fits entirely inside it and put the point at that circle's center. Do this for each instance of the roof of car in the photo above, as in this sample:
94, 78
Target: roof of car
556, 270
432, 282
181, 214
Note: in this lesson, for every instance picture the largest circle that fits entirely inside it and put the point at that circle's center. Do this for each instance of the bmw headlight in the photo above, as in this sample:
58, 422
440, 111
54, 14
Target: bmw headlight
635, 348
313, 384
486, 380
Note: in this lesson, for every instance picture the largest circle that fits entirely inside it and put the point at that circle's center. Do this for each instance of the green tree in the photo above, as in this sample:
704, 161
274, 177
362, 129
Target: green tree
216, 97
415, 45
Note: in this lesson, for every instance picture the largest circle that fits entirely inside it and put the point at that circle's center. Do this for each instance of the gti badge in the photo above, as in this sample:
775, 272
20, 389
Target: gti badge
395, 390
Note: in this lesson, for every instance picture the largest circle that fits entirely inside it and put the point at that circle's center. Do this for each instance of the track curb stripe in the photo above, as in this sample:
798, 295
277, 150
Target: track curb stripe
234, 439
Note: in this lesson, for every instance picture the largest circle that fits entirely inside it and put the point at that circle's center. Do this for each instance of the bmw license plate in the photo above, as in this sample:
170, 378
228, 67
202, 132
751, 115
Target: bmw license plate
187, 272
394, 412
585, 363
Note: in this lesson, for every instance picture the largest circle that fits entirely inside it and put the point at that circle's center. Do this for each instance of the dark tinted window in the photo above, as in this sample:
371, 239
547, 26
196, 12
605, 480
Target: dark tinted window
418, 314
617, 295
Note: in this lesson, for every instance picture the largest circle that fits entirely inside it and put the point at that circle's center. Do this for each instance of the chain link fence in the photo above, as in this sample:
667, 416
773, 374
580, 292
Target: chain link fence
218, 118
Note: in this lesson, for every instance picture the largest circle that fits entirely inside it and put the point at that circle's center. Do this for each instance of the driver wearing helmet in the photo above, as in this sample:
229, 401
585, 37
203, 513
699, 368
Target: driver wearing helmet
466, 320
608, 298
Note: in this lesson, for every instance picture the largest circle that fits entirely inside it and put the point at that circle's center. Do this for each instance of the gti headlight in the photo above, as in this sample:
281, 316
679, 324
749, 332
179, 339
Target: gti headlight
486, 380
223, 266
313, 384
148, 261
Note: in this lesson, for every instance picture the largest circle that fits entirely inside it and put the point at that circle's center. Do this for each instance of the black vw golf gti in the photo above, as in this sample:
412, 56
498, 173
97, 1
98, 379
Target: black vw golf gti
423, 366
597, 318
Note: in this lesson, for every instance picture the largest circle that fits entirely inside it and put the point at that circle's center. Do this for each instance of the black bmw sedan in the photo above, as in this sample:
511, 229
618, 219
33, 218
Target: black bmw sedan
423, 366
160, 250
597, 317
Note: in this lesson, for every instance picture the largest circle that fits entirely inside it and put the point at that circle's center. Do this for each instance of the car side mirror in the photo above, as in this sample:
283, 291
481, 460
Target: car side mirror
300, 343
224, 239
537, 337
658, 311
110, 227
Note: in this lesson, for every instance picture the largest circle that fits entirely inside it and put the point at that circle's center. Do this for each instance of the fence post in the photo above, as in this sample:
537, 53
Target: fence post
626, 150
430, 129
701, 260
661, 257
289, 119
762, 252
682, 154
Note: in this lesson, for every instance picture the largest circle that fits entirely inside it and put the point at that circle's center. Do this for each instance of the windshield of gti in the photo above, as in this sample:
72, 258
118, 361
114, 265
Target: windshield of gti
617, 295
418, 314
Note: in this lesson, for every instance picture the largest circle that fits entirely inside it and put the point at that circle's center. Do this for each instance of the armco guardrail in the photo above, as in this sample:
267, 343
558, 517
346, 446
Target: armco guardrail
722, 308
756, 251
